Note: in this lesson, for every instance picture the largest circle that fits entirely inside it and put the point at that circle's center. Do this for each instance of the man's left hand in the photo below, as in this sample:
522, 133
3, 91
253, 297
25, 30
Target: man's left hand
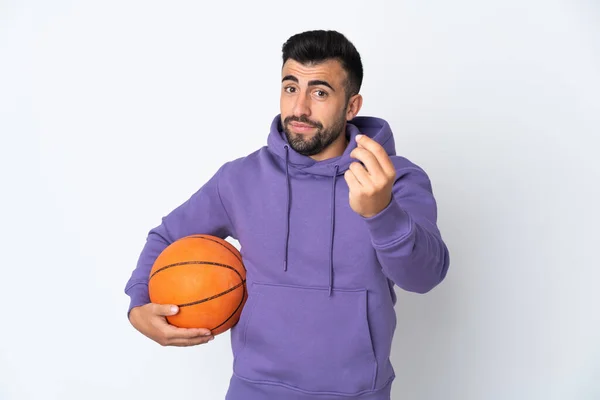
370, 185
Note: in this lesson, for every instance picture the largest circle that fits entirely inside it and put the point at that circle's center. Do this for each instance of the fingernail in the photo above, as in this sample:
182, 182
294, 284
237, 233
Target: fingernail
207, 334
174, 309
358, 137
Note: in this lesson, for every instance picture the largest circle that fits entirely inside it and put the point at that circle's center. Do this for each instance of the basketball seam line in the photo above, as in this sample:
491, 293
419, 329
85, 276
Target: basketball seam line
196, 263
243, 283
236, 309
219, 243
213, 296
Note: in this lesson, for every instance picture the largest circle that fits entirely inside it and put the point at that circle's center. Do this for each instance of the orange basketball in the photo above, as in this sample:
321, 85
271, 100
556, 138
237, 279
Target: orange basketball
204, 276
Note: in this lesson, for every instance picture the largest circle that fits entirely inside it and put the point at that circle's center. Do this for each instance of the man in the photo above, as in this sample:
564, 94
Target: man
328, 219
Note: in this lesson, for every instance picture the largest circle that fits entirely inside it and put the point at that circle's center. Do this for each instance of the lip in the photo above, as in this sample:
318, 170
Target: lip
299, 127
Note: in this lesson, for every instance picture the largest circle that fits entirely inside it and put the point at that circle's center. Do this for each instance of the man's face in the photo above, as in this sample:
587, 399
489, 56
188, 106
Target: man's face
313, 105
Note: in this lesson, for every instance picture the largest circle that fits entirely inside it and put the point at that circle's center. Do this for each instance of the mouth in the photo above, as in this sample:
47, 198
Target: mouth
300, 127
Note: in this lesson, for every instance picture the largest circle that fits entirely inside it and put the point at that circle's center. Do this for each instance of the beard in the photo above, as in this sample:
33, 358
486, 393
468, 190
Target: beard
319, 141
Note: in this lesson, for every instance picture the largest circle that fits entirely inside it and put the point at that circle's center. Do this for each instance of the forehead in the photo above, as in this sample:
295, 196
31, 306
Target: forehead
330, 71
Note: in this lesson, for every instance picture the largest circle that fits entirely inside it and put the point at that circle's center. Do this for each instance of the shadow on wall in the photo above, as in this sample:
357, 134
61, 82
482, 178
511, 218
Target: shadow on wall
430, 332
426, 342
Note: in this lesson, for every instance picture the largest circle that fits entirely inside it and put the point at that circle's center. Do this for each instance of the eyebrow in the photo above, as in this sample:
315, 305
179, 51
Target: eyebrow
310, 83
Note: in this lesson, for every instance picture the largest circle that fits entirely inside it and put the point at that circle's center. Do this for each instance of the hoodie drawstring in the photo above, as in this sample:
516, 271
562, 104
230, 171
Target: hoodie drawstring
287, 226
332, 230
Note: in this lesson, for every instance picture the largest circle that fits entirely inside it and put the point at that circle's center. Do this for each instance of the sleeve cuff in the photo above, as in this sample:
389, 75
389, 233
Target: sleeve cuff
391, 225
139, 296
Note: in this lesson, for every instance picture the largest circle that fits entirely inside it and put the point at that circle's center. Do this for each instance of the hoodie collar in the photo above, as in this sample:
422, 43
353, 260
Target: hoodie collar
376, 128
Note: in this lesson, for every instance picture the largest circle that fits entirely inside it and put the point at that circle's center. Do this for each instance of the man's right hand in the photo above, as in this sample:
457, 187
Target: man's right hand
150, 319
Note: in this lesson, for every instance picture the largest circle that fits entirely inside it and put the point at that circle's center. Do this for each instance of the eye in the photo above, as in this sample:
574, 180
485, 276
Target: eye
321, 93
289, 89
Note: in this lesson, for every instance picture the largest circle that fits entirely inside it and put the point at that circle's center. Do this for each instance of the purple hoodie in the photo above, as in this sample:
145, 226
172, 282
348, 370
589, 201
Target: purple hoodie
319, 318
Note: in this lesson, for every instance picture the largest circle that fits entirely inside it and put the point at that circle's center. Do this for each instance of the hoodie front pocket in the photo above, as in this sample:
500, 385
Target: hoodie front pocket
305, 339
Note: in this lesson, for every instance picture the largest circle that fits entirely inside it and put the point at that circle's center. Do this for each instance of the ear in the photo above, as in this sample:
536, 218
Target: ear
354, 105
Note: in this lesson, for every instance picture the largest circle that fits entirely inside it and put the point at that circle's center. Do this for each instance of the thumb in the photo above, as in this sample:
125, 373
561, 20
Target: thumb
166, 309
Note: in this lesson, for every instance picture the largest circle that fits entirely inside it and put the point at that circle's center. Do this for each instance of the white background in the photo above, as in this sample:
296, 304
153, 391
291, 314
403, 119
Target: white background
112, 113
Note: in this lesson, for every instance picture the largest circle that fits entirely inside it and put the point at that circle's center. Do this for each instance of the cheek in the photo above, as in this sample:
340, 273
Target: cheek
331, 113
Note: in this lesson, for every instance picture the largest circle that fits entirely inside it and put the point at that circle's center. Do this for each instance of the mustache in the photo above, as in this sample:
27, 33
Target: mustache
303, 120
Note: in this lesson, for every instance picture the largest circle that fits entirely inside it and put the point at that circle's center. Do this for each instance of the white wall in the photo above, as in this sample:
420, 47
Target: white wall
114, 112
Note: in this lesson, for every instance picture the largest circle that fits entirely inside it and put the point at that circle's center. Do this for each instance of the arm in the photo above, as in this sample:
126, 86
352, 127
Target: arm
400, 212
202, 213
405, 235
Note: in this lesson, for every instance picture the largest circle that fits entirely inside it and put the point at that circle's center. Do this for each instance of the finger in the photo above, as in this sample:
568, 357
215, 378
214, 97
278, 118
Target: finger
165, 309
176, 332
353, 183
172, 331
361, 174
379, 153
190, 342
369, 160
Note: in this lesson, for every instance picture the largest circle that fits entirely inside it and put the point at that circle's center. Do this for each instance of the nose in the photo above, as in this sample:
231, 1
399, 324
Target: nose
302, 106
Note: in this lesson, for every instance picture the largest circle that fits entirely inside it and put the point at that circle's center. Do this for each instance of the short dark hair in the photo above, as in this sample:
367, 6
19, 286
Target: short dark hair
314, 47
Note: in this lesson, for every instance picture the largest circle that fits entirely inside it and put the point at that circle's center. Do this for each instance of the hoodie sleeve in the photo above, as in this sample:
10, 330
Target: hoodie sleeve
405, 235
202, 213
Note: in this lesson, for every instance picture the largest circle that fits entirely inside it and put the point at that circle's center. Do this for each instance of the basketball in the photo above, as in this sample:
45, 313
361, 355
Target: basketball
205, 277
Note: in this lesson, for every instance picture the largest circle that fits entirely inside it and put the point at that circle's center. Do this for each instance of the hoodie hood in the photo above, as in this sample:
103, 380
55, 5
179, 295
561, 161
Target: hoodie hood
376, 128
